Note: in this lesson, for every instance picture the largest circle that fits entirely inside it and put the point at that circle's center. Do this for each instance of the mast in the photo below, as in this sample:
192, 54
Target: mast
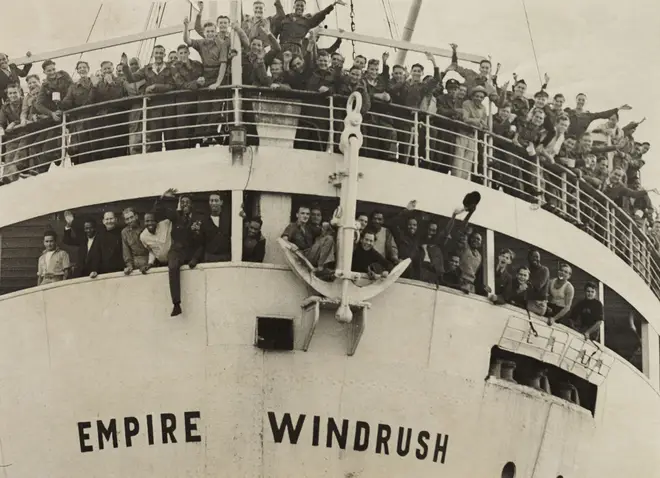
409, 29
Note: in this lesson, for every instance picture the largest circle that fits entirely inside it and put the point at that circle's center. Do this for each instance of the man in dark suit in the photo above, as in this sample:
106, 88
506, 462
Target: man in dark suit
213, 238
89, 247
183, 242
112, 259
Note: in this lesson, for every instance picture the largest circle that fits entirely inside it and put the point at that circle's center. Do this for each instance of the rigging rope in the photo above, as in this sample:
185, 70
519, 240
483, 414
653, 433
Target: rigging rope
147, 24
387, 18
89, 35
531, 38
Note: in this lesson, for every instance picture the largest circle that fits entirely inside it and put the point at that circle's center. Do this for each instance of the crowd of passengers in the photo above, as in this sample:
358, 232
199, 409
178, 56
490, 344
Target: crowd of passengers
282, 52
173, 234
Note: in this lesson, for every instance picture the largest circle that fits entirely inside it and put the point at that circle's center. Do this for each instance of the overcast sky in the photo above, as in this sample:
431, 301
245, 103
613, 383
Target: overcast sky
605, 48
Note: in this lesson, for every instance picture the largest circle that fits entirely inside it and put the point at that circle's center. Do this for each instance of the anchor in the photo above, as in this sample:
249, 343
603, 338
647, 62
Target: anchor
347, 289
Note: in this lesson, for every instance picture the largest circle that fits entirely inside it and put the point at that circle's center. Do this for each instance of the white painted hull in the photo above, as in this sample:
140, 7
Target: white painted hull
104, 349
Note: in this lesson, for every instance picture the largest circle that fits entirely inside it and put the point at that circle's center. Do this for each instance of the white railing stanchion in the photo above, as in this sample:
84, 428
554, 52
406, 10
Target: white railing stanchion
237, 107
484, 167
331, 132
539, 187
144, 125
63, 145
427, 126
578, 202
564, 192
416, 140
631, 244
608, 224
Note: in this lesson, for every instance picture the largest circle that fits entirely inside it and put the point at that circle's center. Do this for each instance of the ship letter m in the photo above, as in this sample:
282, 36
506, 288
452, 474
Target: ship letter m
278, 428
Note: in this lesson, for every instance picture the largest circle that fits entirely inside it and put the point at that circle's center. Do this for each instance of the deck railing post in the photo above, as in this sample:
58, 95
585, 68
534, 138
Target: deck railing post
608, 224
484, 167
63, 145
564, 192
416, 140
331, 132
144, 125
578, 200
539, 186
427, 126
631, 243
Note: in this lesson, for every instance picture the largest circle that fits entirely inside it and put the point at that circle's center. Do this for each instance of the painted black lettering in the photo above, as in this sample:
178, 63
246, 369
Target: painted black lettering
423, 452
191, 427
383, 436
167, 426
360, 445
403, 449
440, 447
316, 430
333, 429
107, 433
131, 429
278, 429
150, 429
83, 436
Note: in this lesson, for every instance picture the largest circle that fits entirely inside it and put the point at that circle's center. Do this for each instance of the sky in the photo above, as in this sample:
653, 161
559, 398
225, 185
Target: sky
604, 48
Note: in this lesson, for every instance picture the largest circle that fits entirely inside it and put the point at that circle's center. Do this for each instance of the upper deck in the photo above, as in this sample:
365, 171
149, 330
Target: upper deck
168, 134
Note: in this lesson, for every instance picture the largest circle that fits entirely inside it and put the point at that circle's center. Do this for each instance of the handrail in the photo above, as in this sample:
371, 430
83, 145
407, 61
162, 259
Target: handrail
424, 139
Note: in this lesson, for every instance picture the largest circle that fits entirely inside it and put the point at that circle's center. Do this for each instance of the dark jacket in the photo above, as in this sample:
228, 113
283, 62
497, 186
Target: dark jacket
254, 250
212, 241
183, 238
363, 259
87, 261
13, 78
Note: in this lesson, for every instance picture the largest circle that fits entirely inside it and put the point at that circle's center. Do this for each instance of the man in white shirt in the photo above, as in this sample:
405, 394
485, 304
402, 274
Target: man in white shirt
157, 239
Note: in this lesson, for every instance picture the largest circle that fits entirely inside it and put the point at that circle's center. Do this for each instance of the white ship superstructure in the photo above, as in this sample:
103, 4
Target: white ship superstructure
273, 371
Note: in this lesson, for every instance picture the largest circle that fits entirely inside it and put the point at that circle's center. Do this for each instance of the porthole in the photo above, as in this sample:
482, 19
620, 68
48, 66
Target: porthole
509, 470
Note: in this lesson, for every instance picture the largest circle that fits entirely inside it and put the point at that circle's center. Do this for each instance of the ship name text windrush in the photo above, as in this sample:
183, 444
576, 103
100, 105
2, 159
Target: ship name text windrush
360, 436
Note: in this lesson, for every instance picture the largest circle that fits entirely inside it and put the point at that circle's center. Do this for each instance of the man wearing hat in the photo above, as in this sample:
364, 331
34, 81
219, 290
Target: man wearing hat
475, 115
293, 28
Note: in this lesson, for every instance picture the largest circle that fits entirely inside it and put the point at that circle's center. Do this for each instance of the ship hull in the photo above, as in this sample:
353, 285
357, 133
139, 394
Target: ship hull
99, 381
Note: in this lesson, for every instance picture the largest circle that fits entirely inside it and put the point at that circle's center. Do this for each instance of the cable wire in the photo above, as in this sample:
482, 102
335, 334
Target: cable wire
531, 39
387, 18
89, 35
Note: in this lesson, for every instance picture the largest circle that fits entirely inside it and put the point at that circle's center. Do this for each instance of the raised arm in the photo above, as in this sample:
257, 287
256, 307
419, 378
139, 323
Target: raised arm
198, 20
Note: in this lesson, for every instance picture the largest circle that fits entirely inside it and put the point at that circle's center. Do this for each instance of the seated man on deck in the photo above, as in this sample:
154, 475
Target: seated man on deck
369, 261
318, 250
515, 291
560, 294
587, 315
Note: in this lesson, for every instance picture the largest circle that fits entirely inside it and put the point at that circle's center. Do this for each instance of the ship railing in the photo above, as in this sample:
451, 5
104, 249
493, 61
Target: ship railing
314, 121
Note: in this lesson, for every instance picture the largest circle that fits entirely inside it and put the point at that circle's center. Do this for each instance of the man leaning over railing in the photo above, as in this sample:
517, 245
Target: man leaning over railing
78, 96
475, 115
110, 132
213, 49
10, 127
36, 123
158, 78
187, 75
54, 88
